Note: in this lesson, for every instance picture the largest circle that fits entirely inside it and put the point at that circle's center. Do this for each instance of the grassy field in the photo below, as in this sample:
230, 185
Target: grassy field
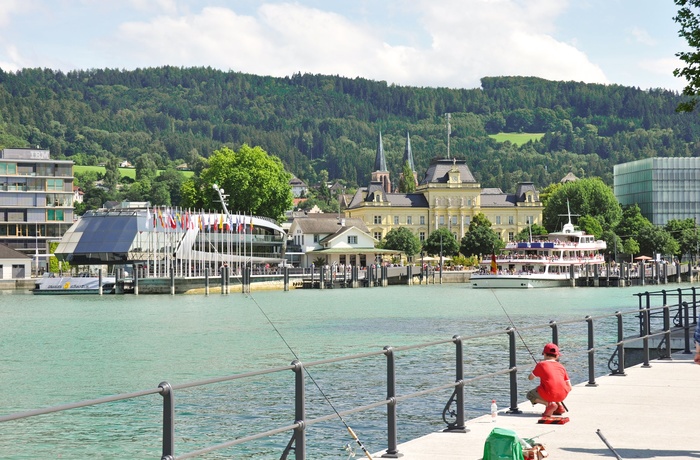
124, 172
516, 138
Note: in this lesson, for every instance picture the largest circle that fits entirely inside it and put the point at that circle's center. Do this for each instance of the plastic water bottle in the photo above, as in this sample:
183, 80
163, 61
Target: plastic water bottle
494, 410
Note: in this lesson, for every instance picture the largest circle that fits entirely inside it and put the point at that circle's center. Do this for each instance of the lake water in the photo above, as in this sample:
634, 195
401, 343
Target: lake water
61, 349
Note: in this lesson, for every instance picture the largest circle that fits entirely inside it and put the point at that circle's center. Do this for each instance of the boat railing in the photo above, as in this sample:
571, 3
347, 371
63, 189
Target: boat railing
426, 370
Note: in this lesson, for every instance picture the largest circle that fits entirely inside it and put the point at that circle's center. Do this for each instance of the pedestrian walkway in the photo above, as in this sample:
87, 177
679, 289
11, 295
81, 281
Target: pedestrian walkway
649, 413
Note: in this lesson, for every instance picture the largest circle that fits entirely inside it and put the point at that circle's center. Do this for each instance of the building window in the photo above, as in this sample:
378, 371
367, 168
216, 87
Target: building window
409, 220
510, 220
467, 220
421, 236
352, 239
422, 220
8, 169
469, 202
454, 220
498, 220
511, 235
396, 220
378, 220
442, 220
377, 235
316, 238
54, 185
54, 215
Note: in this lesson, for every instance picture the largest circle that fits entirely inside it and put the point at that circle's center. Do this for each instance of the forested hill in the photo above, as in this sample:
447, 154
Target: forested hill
316, 122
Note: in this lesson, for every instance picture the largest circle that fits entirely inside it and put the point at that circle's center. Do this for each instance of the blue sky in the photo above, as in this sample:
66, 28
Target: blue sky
446, 43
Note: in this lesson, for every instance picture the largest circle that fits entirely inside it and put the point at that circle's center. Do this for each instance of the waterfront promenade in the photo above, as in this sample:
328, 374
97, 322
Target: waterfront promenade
649, 413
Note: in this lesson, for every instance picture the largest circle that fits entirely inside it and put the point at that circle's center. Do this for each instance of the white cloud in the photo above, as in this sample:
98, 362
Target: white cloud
469, 39
639, 35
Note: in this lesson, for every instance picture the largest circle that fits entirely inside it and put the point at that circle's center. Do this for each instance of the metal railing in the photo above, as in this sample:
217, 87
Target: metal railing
610, 327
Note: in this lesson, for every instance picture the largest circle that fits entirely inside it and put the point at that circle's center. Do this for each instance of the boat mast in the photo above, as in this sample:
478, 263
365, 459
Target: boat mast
222, 197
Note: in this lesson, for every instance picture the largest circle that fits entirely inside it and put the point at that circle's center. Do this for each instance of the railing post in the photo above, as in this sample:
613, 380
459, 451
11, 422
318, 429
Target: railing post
686, 327
299, 411
555, 332
392, 450
458, 426
620, 346
591, 354
166, 391
645, 340
513, 373
667, 331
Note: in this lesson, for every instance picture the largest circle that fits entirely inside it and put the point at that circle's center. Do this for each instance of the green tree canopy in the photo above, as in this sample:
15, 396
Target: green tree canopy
534, 230
255, 182
584, 197
402, 239
689, 19
480, 238
686, 233
441, 237
655, 240
407, 183
632, 222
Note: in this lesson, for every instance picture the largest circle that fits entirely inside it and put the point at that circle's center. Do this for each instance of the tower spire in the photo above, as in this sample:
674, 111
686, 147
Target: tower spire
380, 160
407, 153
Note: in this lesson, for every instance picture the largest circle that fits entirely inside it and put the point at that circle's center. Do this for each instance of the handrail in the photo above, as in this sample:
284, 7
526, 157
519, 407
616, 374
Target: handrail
454, 409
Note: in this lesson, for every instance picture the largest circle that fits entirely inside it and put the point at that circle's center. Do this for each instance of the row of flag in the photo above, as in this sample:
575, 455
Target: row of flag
174, 219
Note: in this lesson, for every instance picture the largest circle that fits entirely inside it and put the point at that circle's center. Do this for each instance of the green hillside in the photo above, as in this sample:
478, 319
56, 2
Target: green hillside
315, 124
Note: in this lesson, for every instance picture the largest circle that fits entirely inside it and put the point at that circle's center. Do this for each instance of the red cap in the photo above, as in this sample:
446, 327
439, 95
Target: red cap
551, 349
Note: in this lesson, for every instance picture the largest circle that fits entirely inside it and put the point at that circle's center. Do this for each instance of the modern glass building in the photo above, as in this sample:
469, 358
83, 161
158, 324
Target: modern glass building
663, 188
36, 201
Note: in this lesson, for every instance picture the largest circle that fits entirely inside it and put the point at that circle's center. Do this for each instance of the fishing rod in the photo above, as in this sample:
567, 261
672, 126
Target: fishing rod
340, 417
521, 337
513, 325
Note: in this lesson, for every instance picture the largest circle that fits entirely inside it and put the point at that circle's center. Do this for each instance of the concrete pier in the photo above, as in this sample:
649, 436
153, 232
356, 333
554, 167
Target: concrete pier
648, 413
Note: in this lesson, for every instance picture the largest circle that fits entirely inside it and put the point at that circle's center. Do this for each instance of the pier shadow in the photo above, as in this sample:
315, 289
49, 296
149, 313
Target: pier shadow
634, 453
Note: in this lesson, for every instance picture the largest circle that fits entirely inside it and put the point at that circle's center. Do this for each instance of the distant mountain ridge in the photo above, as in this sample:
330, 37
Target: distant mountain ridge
320, 122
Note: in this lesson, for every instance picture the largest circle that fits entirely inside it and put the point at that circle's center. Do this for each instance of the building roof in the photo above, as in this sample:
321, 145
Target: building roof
438, 171
9, 253
571, 177
328, 224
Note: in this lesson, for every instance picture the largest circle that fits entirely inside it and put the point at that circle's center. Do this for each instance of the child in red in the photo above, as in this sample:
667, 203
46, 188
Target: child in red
554, 382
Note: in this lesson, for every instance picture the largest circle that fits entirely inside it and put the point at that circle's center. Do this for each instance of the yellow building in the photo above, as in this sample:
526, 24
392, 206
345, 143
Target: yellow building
447, 196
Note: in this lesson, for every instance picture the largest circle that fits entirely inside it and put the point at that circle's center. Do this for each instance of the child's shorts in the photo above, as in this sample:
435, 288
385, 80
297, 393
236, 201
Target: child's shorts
533, 396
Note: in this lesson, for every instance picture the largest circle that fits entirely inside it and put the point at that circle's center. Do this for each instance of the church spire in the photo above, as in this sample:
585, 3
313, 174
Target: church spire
407, 153
381, 172
380, 160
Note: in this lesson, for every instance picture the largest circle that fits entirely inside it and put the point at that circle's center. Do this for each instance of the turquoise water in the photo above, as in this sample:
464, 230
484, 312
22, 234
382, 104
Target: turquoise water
61, 349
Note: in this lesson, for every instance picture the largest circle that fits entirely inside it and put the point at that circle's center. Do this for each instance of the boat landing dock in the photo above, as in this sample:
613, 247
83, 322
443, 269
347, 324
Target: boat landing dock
648, 413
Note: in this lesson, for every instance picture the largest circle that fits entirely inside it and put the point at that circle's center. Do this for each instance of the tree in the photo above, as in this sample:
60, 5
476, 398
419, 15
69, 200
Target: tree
585, 197
407, 183
480, 238
534, 230
632, 222
689, 19
591, 226
613, 244
441, 238
685, 232
255, 182
402, 239
655, 240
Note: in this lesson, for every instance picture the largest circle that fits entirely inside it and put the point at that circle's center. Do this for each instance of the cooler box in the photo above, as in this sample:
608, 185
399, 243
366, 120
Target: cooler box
503, 444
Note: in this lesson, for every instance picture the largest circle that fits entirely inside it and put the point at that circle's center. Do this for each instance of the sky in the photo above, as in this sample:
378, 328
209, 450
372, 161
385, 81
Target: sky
425, 43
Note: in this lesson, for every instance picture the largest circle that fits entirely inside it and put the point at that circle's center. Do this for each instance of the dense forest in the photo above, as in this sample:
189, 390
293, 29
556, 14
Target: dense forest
327, 126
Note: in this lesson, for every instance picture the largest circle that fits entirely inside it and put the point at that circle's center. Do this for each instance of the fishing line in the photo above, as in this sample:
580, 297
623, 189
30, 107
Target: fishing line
513, 324
340, 417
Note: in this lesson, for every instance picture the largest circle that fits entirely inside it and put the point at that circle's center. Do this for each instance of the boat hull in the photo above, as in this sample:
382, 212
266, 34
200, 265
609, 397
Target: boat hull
518, 281
74, 285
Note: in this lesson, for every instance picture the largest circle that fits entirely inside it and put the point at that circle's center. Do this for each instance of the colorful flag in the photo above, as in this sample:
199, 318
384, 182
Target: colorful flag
148, 218
494, 266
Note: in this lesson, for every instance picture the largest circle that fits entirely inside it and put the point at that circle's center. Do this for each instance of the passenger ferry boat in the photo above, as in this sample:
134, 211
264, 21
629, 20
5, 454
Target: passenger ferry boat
557, 260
